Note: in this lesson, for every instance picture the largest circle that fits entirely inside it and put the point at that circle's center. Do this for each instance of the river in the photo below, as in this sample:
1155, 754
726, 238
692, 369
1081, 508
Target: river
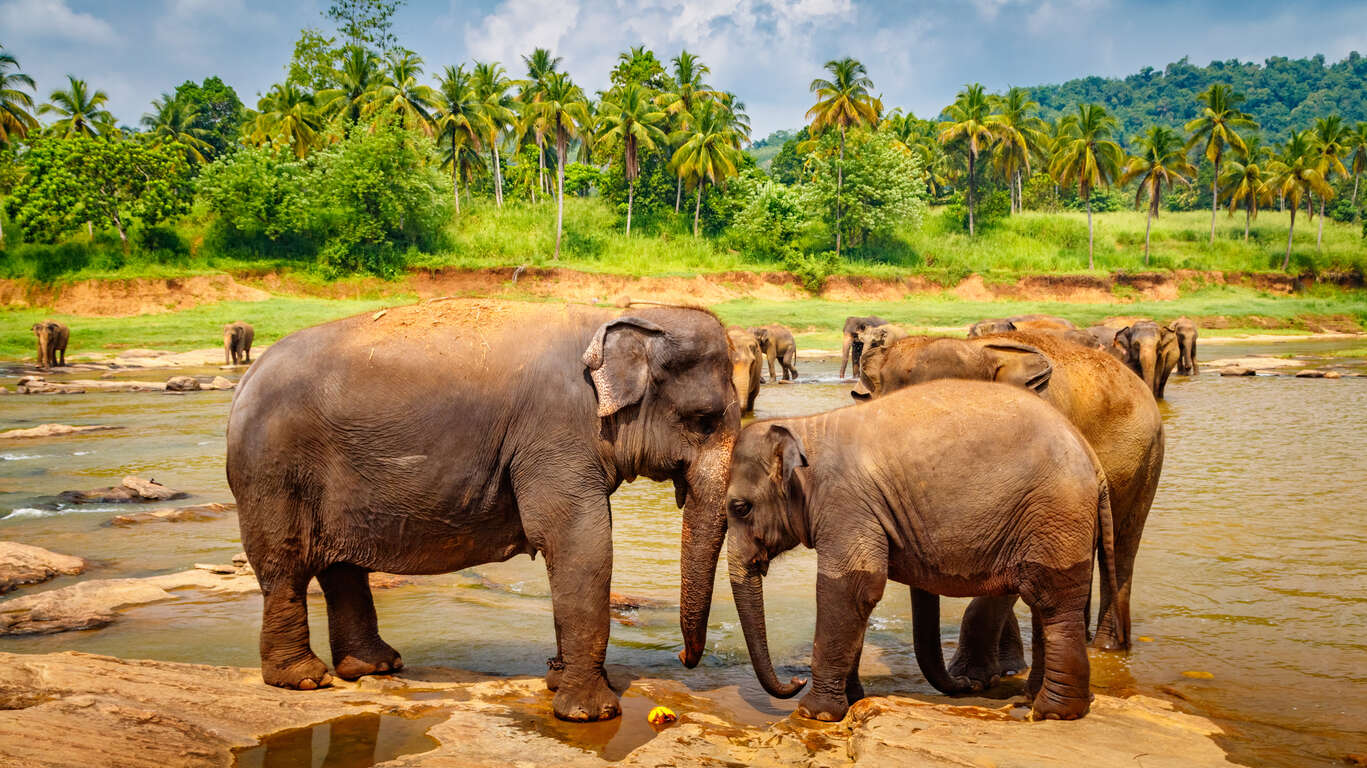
1250, 601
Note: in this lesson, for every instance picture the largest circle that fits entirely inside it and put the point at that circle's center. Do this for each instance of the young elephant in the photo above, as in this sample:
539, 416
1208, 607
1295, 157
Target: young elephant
879, 336
1186, 346
852, 347
1019, 323
953, 487
777, 344
52, 339
746, 366
237, 343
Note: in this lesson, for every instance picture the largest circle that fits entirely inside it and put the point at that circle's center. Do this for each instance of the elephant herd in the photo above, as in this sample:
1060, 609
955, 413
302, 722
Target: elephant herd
1004, 466
53, 337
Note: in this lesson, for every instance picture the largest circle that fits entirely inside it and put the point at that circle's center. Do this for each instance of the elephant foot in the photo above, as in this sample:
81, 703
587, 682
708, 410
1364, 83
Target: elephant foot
1107, 637
588, 703
827, 709
306, 675
972, 675
555, 672
1047, 706
376, 659
854, 691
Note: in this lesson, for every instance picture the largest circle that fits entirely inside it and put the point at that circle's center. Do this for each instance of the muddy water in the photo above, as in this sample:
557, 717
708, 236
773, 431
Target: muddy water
1250, 605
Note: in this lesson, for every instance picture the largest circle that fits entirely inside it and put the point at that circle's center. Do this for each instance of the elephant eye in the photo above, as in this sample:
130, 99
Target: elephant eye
740, 508
707, 423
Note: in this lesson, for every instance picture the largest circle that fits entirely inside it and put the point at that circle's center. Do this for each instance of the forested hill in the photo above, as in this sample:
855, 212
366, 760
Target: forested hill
1281, 94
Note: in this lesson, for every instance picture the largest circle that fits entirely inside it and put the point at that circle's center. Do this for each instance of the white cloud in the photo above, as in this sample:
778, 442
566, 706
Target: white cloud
53, 19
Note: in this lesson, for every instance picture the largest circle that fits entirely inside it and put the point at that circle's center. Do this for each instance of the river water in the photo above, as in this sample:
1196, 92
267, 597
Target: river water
1250, 601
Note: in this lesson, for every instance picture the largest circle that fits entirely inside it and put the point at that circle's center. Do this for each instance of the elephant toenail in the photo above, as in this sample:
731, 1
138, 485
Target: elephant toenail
307, 685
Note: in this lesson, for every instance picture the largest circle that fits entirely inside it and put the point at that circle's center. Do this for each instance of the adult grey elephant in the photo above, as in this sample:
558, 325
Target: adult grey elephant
852, 347
435, 437
1112, 409
746, 366
1019, 323
237, 343
879, 336
777, 344
1105, 339
1186, 332
1151, 351
52, 340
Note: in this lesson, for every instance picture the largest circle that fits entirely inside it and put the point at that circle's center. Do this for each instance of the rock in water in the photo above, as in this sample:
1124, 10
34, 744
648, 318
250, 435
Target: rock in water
182, 384
192, 514
1238, 372
54, 430
22, 564
132, 489
1310, 373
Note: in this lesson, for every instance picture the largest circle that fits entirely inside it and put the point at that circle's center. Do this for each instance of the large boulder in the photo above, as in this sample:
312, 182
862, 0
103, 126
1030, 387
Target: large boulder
192, 514
131, 490
182, 384
22, 564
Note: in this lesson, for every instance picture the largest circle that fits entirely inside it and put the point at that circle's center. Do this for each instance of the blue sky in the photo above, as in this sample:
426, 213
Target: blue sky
767, 51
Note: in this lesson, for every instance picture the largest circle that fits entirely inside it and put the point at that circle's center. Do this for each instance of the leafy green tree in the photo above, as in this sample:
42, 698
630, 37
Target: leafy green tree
80, 111
366, 23
1087, 158
401, 95
16, 121
460, 124
217, 111
678, 101
315, 61
561, 109
1018, 132
971, 127
358, 80
843, 101
771, 220
540, 66
787, 165
1357, 142
172, 121
79, 178
1161, 160
287, 117
638, 65
496, 110
1332, 144
1217, 128
879, 187
1245, 182
254, 193
1296, 175
629, 118
707, 151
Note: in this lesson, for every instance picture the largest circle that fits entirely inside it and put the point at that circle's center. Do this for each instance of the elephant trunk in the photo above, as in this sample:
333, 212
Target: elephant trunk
925, 632
704, 529
740, 378
747, 588
1148, 366
845, 356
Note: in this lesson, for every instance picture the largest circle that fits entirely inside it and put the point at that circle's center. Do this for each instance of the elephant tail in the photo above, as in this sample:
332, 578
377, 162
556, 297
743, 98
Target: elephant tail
1105, 543
925, 632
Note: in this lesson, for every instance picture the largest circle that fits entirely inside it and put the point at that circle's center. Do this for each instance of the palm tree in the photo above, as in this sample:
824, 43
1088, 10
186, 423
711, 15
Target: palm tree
707, 150
15, 118
1333, 142
1161, 160
1357, 142
1218, 127
402, 95
737, 118
1087, 157
629, 116
172, 121
1296, 175
841, 102
287, 116
1245, 182
496, 108
540, 66
688, 89
80, 111
359, 79
561, 109
460, 122
1018, 136
971, 125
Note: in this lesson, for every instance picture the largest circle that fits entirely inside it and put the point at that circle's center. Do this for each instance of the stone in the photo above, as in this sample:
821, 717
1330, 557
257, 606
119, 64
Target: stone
132, 489
1332, 375
1238, 372
22, 564
37, 385
86, 605
192, 514
1310, 373
53, 430
182, 384
219, 382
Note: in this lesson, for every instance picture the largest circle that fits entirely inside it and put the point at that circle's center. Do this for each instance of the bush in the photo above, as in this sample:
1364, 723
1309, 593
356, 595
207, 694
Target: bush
811, 269
580, 178
1040, 194
254, 193
767, 225
993, 206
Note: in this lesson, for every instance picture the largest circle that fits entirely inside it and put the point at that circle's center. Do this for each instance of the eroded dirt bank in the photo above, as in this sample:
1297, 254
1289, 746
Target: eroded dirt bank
73, 709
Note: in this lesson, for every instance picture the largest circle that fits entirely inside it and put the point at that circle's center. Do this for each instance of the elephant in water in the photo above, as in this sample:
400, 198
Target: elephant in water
879, 336
1115, 413
953, 488
52, 340
1019, 323
1186, 346
1151, 351
778, 345
852, 347
1105, 339
746, 366
237, 343
435, 437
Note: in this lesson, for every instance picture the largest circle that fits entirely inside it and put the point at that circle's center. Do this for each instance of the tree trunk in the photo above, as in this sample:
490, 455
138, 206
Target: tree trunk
559, 196
1248, 218
540, 170
118, 224
697, 208
1148, 225
1090, 263
1214, 196
970, 192
498, 175
631, 193
1319, 238
1290, 233
839, 183
455, 179
1356, 177
678, 193
90, 229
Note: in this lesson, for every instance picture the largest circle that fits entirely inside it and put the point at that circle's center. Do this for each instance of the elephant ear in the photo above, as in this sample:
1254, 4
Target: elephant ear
619, 363
788, 453
1020, 364
870, 373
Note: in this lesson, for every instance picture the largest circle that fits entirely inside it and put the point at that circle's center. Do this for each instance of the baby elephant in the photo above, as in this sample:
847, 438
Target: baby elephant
953, 487
52, 339
237, 343
776, 342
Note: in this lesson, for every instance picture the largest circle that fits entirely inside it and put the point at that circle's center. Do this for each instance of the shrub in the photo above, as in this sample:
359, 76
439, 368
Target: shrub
993, 206
811, 269
767, 225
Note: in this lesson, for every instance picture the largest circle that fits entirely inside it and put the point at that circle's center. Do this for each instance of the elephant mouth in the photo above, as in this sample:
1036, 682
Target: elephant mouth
680, 484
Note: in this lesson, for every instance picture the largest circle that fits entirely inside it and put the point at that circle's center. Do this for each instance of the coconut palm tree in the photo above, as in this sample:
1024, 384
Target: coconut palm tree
561, 109
287, 116
15, 118
496, 106
689, 87
1218, 127
589, 131
1296, 175
1018, 135
1087, 157
972, 127
80, 111
1333, 142
359, 79
172, 121
459, 123
1244, 182
1358, 144
706, 151
402, 95
1162, 160
841, 102
737, 118
540, 66
630, 116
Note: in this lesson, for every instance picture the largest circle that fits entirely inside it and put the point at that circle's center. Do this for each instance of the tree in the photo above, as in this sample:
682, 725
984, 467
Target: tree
881, 186
80, 112
630, 117
1295, 175
678, 103
218, 112
16, 121
540, 66
1162, 160
1332, 143
972, 126
1358, 145
843, 101
496, 108
313, 66
1245, 182
707, 151
1218, 127
460, 123
80, 178
172, 121
357, 80
287, 117
561, 109
639, 66
366, 23
1018, 132
1086, 157
401, 95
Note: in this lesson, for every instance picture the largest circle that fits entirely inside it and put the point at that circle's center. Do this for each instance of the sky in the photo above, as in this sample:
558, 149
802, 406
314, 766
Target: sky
767, 51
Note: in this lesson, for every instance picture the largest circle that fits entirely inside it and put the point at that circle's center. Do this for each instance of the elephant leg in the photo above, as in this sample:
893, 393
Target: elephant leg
1010, 647
854, 687
980, 640
790, 366
555, 665
353, 631
1113, 616
843, 605
772, 357
287, 660
1064, 693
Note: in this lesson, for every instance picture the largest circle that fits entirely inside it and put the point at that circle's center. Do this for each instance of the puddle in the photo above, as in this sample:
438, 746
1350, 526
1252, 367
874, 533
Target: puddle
611, 740
354, 741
